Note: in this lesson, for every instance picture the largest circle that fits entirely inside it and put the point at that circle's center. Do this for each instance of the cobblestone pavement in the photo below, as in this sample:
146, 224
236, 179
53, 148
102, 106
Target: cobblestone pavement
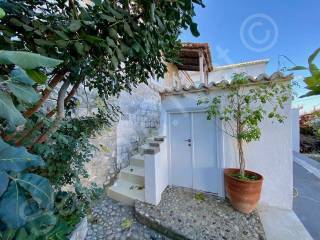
110, 220
185, 214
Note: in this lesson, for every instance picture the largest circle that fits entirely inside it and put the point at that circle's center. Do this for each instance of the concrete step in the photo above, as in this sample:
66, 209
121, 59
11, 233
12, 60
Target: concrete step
137, 160
134, 174
153, 131
126, 192
146, 148
156, 138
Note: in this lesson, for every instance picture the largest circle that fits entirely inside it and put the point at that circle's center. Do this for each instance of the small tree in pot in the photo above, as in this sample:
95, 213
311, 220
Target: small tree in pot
241, 115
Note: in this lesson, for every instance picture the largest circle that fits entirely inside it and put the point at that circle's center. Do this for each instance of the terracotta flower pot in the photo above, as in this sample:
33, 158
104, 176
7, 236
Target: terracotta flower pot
244, 195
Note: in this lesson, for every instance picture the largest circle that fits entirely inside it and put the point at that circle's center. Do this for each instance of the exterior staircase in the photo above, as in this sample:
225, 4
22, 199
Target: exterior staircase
130, 184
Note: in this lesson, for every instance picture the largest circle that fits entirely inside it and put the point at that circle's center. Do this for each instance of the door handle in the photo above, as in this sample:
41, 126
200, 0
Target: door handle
188, 140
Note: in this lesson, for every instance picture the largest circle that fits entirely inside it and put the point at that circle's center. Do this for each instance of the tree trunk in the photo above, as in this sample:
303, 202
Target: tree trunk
46, 93
241, 158
49, 115
60, 113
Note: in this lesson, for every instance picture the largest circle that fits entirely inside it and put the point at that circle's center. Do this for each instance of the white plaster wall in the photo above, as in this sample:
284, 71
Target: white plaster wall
220, 73
156, 174
295, 129
225, 73
271, 155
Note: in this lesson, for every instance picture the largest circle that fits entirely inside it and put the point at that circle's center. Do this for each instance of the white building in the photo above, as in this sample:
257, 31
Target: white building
165, 139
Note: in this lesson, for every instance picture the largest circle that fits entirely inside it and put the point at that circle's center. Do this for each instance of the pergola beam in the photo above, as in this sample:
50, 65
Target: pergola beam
188, 68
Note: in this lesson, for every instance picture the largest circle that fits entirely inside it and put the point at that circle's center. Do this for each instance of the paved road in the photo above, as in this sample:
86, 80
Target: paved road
307, 202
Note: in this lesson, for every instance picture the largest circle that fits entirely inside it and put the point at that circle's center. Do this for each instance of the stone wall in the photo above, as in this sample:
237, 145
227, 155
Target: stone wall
141, 114
115, 145
102, 168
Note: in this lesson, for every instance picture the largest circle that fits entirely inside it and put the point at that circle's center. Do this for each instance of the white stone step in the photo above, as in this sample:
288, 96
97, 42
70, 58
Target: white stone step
154, 139
126, 192
137, 160
134, 174
153, 131
147, 147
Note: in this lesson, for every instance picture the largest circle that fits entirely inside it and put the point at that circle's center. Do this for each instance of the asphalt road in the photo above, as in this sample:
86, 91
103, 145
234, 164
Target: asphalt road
306, 203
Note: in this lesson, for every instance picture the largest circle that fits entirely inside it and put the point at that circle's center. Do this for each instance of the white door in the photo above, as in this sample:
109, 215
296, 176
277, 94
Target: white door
193, 144
181, 149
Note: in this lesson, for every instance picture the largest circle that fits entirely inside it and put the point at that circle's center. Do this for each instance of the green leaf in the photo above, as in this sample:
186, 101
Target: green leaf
17, 159
42, 42
298, 68
37, 76
27, 28
22, 235
4, 180
2, 13
11, 207
39, 188
9, 112
43, 224
313, 56
113, 33
114, 12
8, 234
114, 61
92, 39
62, 35
108, 18
27, 60
312, 82
75, 25
110, 42
16, 22
311, 93
136, 46
194, 29
119, 54
62, 43
126, 224
20, 75
61, 230
80, 48
313, 67
24, 92
127, 29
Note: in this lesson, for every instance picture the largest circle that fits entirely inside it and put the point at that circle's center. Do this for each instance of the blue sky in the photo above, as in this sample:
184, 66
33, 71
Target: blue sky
248, 30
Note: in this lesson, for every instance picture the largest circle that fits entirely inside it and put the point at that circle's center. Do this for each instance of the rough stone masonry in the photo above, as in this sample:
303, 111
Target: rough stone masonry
115, 146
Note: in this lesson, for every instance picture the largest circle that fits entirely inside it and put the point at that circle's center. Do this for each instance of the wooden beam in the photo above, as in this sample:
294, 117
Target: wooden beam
201, 67
188, 68
190, 61
188, 54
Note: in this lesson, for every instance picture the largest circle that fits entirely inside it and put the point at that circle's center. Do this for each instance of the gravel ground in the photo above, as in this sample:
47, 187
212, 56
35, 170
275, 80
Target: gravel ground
182, 216
110, 220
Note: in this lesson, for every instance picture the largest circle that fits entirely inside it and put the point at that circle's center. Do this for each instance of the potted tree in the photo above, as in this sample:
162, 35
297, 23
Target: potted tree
244, 108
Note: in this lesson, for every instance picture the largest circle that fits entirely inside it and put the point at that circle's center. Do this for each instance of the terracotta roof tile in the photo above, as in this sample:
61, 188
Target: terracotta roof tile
262, 78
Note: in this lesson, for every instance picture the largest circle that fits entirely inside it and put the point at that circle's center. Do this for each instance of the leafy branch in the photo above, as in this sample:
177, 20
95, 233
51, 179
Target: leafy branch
243, 109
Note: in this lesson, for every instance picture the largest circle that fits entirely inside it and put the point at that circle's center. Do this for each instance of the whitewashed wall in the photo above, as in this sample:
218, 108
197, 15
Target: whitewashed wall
221, 73
225, 72
295, 129
271, 156
156, 174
